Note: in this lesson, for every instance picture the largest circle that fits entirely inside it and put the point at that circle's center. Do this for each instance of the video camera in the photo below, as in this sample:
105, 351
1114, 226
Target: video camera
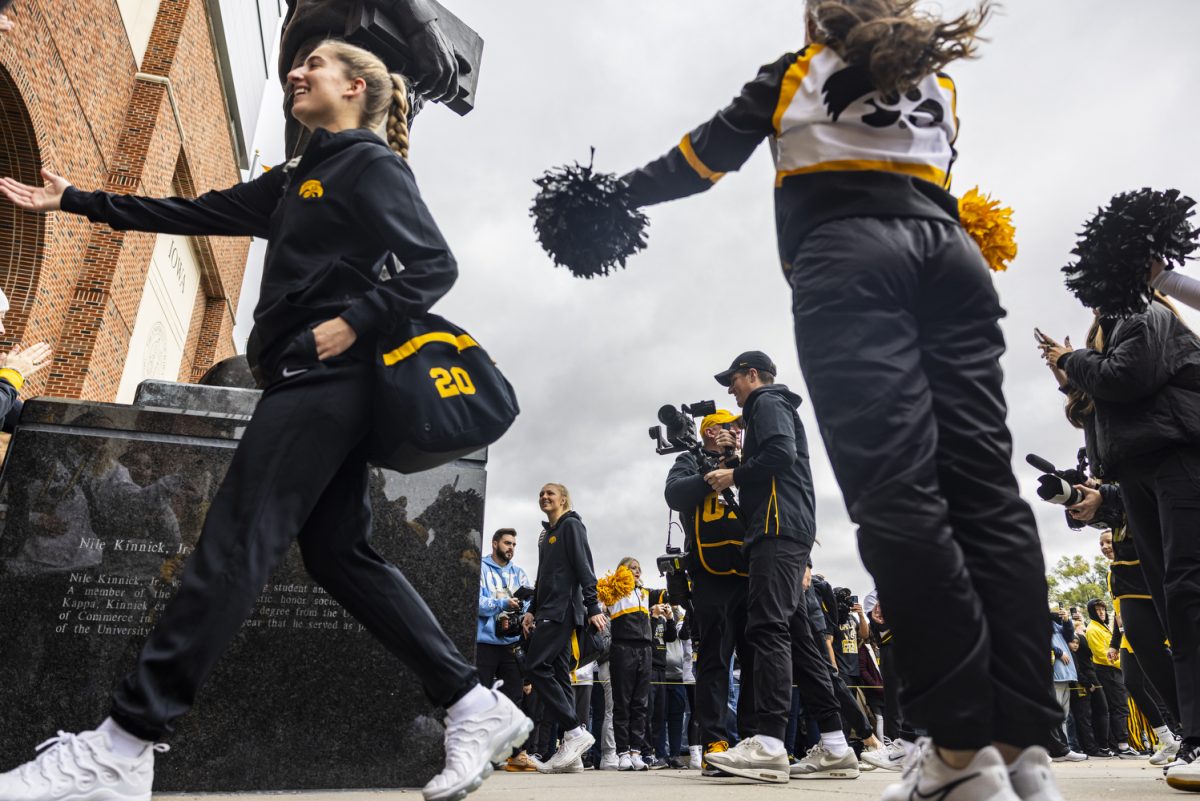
678, 434
1058, 486
672, 565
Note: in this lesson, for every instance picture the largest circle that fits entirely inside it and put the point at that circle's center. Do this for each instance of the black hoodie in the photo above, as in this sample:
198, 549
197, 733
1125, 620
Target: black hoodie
775, 488
329, 221
566, 576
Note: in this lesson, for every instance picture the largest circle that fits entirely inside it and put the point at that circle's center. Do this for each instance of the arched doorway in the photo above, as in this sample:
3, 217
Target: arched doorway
22, 234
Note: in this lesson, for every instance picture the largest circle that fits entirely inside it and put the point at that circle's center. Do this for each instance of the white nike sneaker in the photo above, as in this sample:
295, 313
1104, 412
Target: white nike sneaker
636, 762
1185, 776
695, 757
819, 763
473, 744
878, 758
569, 750
609, 762
1031, 777
574, 767
750, 760
926, 776
1070, 756
1166, 751
81, 767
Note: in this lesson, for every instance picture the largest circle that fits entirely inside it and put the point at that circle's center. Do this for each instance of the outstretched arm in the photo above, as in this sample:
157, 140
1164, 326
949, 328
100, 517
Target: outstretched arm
721, 145
241, 210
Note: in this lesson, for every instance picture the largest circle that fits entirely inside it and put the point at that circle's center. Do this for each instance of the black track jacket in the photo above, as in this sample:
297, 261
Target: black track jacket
329, 222
775, 488
566, 577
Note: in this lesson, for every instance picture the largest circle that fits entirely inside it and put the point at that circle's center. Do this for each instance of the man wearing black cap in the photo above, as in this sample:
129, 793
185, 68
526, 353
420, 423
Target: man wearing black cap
776, 496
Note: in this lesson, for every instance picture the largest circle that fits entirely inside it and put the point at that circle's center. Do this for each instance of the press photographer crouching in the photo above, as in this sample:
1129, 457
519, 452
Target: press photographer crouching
776, 496
713, 555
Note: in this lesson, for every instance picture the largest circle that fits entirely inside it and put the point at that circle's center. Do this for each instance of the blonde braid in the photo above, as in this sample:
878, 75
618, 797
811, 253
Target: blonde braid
397, 121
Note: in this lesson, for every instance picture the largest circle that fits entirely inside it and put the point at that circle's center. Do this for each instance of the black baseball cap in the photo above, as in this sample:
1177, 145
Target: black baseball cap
750, 359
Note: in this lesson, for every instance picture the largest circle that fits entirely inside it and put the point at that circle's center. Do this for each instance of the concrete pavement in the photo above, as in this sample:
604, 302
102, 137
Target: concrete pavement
1120, 780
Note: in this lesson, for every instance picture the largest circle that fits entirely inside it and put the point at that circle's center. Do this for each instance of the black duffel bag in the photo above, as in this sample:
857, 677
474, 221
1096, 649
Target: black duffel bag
438, 396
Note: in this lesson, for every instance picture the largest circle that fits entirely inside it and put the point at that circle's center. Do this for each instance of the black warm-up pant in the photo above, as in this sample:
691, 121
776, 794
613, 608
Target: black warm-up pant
814, 677
1118, 703
897, 335
299, 474
629, 667
895, 725
776, 630
1140, 690
548, 666
1148, 638
494, 662
719, 605
1089, 711
1162, 501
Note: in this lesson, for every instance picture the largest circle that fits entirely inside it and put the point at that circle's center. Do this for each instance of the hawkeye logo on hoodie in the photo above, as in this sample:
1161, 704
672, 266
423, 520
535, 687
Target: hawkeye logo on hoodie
311, 188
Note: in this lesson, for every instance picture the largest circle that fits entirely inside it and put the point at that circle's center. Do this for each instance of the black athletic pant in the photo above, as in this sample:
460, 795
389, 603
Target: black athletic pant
629, 666
494, 662
1162, 500
1148, 638
897, 335
719, 604
855, 722
812, 674
1118, 703
656, 732
895, 726
1140, 689
1091, 719
548, 665
775, 631
299, 473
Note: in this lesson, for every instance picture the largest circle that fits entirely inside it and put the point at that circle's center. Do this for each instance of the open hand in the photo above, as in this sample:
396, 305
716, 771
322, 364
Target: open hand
599, 621
36, 198
333, 338
29, 360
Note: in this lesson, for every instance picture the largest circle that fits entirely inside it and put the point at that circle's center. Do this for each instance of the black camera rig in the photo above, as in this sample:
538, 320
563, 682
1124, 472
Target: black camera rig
1059, 487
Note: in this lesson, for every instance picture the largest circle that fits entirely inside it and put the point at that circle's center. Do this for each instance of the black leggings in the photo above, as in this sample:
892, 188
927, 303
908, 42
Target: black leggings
629, 665
1146, 635
299, 474
897, 333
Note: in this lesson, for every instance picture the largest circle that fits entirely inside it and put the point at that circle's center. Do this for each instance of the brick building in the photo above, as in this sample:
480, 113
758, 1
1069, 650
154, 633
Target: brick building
153, 97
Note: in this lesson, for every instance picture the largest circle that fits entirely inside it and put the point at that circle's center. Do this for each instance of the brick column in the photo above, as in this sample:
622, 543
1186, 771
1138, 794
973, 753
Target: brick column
91, 294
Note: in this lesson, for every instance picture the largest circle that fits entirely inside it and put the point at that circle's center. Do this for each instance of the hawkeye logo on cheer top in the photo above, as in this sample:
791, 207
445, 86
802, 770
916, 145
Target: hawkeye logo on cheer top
311, 188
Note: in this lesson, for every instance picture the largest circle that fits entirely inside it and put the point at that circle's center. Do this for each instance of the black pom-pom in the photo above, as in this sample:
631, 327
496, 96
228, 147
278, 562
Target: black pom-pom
586, 220
1116, 245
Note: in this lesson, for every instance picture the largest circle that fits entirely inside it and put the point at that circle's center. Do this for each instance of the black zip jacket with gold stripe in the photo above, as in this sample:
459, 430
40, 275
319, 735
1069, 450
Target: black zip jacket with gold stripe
840, 148
566, 575
775, 488
329, 222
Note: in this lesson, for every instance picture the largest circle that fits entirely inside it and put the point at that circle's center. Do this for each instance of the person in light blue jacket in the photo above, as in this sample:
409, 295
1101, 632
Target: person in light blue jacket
1065, 672
500, 610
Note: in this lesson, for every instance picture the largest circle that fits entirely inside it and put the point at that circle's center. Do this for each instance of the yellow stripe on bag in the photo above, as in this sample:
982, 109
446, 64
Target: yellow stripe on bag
409, 348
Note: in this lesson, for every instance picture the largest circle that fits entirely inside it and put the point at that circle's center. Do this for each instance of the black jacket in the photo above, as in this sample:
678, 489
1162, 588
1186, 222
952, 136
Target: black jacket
1145, 386
329, 223
775, 488
713, 532
566, 577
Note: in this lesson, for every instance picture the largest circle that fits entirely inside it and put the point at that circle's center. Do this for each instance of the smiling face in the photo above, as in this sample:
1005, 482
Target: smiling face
742, 384
1106, 546
551, 500
322, 92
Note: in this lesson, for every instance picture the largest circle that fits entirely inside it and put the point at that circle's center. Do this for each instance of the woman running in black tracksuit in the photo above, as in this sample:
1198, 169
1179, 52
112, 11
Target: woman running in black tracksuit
896, 324
300, 470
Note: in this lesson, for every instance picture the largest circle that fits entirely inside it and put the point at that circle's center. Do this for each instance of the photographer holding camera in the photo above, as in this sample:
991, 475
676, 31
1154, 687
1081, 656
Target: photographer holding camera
776, 496
714, 533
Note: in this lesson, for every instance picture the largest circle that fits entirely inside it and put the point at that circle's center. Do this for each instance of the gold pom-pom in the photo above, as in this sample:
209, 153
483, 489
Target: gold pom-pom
615, 585
991, 226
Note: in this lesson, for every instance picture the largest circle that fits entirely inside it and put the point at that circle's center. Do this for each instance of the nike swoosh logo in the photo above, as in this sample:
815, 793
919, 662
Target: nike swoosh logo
942, 792
293, 373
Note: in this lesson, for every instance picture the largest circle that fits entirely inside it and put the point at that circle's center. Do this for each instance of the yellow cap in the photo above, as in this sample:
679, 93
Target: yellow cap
718, 418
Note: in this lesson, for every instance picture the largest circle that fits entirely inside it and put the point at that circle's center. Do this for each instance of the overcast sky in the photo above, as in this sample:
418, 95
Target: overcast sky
1071, 102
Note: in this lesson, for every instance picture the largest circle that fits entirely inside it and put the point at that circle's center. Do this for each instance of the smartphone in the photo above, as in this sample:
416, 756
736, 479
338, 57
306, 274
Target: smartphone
1040, 337
854, 600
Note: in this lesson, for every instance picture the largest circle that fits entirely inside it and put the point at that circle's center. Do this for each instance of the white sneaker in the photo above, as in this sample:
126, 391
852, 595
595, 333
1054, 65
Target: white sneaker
898, 751
636, 762
569, 750
609, 762
1166, 751
1070, 756
625, 763
750, 760
819, 763
878, 758
81, 767
1185, 776
471, 746
1031, 777
927, 776
574, 767
696, 754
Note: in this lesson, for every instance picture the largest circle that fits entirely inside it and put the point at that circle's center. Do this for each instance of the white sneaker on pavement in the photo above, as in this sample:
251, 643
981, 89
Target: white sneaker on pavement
1070, 756
1185, 776
472, 744
751, 760
574, 767
1031, 777
81, 767
625, 763
820, 763
696, 757
636, 762
1166, 751
926, 776
879, 758
609, 762
569, 750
